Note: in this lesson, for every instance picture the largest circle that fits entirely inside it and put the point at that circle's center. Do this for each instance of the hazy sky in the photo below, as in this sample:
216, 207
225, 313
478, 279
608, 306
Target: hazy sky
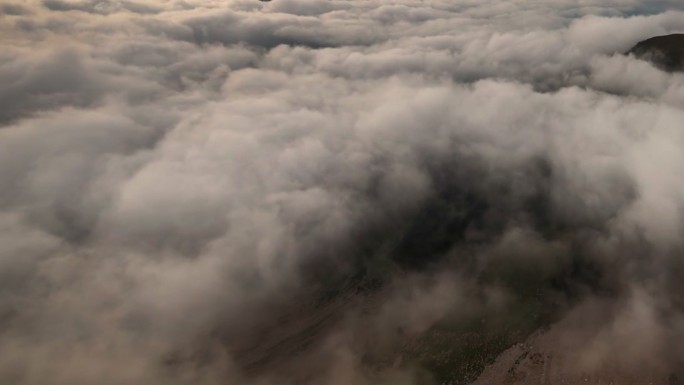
175, 173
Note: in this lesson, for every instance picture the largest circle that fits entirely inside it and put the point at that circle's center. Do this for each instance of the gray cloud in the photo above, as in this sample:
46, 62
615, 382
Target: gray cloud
101, 7
312, 191
13, 9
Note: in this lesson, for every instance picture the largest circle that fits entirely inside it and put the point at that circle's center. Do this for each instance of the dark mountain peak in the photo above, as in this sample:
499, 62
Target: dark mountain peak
666, 52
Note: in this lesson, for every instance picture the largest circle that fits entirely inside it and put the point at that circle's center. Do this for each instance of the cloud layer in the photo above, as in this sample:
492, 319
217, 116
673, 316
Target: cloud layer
216, 192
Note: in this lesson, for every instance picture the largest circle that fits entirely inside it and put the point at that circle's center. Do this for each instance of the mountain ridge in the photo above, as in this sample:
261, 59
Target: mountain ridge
665, 52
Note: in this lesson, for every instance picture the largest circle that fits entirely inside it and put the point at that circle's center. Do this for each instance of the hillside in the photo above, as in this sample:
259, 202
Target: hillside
666, 52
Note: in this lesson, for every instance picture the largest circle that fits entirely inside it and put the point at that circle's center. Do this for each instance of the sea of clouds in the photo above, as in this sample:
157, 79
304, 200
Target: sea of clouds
245, 192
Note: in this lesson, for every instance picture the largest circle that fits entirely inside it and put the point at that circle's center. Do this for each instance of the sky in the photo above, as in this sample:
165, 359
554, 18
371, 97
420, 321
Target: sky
182, 182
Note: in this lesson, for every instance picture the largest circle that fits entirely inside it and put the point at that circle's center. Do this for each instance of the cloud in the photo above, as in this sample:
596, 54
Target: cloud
101, 7
307, 191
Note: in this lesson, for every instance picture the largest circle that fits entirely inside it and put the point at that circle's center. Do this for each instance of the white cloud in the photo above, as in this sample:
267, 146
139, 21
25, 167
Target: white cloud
176, 175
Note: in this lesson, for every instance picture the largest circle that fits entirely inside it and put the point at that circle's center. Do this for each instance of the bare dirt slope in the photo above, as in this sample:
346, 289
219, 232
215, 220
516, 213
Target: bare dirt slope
567, 353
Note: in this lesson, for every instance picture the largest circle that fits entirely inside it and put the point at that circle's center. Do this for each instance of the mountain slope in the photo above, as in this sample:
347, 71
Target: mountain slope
666, 52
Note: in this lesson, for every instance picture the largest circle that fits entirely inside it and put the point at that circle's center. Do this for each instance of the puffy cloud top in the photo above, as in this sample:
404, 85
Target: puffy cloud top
211, 192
